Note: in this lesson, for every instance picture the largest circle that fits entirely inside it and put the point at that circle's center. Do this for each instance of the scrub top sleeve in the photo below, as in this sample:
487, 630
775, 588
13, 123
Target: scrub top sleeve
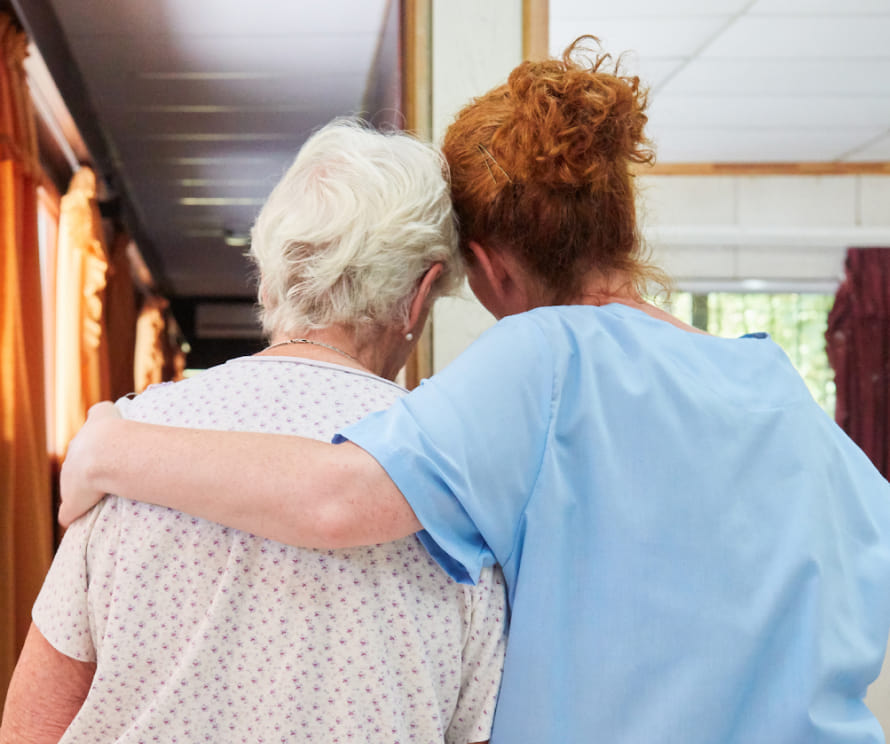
465, 448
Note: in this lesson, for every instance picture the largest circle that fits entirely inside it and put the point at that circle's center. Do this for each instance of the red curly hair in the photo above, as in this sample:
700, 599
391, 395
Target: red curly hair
541, 166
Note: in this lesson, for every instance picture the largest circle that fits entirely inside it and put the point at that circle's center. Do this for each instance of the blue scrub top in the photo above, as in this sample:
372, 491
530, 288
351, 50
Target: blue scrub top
695, 553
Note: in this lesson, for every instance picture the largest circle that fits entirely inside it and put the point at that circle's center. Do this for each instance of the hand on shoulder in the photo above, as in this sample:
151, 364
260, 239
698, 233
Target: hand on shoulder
78, 491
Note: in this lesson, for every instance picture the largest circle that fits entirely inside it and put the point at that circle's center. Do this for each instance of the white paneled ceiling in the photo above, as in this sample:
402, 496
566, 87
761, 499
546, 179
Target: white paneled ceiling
750, 80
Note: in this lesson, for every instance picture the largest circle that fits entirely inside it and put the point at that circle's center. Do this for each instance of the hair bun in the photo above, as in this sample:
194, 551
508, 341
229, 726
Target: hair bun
571, 122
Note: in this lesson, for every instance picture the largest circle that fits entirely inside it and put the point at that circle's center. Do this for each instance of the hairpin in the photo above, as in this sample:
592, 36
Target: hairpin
488, 156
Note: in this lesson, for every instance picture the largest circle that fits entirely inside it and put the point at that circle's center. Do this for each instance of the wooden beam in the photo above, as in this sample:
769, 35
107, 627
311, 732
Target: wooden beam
416, 59
766, 169
417, 107
535, 29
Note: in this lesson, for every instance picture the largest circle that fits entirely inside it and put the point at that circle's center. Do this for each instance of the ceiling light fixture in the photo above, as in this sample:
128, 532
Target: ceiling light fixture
236, 240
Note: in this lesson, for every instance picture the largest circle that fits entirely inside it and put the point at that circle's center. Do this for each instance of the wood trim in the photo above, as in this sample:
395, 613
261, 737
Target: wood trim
766, 169
417, 107
416, 60
535, 29
420, 364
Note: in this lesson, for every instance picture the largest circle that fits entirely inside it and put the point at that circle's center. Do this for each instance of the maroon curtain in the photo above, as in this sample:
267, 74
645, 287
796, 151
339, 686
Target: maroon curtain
858, 338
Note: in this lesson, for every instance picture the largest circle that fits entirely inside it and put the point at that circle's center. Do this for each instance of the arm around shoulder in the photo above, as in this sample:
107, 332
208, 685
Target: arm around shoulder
294, 490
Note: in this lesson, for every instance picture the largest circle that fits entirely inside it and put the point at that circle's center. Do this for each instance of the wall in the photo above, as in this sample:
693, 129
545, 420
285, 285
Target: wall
755, 232
475, 45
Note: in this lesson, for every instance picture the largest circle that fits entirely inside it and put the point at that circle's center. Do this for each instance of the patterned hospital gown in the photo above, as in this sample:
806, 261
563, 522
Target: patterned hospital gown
203, 633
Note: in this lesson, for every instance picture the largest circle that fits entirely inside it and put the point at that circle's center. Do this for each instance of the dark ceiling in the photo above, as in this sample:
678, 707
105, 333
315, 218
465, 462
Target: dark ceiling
191, 111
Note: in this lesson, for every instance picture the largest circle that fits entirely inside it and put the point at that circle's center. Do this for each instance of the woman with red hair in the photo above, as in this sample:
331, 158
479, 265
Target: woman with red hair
694, 552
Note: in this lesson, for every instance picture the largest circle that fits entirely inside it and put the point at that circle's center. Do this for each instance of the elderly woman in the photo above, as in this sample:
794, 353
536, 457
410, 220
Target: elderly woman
694, 552
202, 633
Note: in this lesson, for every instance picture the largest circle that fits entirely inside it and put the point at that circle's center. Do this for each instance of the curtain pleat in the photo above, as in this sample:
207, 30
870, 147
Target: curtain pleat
26, 527
48, 219
858, 344
82, 368
151, 346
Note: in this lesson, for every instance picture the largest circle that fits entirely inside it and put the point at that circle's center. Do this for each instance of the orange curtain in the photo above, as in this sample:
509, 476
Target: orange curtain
120, 317
82, 375
151, 343
48, 227
26, 514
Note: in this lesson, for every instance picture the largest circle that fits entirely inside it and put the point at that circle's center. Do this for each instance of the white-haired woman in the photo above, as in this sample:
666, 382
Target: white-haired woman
152, 622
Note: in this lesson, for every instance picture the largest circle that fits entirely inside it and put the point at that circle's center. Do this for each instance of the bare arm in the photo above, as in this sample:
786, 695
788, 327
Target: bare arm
294, 490
46, 692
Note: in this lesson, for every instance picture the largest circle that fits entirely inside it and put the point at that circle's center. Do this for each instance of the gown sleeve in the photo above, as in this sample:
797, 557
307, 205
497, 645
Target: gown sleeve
465, 448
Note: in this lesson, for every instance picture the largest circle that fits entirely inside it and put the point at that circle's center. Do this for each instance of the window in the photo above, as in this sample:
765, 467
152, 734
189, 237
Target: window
795, 321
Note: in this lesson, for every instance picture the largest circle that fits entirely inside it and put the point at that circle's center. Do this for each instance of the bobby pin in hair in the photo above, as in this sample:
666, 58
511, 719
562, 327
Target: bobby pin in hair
488, 156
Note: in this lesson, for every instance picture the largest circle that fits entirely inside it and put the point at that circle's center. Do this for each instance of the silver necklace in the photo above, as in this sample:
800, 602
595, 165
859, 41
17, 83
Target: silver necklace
314, 343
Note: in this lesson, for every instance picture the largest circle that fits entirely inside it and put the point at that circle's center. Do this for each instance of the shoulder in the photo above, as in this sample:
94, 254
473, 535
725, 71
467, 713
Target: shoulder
509, 365
170, 390
548, 340
283, 395
531, 326
560, 328
517, 342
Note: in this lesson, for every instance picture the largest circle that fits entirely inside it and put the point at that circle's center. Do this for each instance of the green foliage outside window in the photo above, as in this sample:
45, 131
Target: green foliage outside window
797, 322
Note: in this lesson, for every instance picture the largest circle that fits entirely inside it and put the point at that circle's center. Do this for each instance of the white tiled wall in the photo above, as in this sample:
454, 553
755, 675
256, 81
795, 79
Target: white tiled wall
788, 201
776, 228
687, 200
694, 260
475, 45
790, 262
457, 322
874, 201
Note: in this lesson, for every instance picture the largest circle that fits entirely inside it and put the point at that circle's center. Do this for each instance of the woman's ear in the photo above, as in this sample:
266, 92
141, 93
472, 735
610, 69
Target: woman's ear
421, 301
486, 262
497, 280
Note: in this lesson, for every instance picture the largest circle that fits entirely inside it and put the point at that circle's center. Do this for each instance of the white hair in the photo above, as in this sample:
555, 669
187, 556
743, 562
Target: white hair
350, 230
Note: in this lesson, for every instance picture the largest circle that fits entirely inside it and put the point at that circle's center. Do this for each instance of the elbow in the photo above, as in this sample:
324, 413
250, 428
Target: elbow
335, 524
345, 499
345, 510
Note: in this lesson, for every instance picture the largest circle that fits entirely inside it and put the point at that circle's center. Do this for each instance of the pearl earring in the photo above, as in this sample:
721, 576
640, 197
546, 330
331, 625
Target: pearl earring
409, 336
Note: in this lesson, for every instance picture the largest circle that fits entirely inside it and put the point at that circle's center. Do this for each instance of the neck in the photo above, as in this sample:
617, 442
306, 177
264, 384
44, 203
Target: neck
370, 351
623, 292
